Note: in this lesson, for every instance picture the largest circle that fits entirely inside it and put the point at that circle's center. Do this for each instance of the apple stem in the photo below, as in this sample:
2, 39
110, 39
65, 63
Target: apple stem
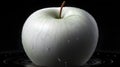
61, 9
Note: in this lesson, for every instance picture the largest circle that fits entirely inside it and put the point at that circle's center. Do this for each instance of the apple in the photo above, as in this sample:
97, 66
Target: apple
51, 39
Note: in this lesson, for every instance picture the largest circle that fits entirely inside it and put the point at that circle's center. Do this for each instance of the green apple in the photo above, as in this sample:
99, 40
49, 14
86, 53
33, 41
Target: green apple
50, 40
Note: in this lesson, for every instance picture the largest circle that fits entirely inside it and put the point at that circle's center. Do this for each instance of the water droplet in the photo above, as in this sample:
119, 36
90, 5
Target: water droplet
68, 41
59, 59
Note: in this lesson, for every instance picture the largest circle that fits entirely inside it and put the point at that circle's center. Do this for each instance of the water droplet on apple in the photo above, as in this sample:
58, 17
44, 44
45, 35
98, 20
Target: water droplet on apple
59, 59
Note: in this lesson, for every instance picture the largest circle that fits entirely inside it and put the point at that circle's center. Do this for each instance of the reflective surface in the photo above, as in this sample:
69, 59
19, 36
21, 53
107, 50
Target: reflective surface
99, 59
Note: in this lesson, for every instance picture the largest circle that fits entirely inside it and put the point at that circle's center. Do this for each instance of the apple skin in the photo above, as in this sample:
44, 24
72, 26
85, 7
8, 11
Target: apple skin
52, 41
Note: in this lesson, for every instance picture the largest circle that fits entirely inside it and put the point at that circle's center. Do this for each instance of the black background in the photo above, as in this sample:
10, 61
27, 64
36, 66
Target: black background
14, 13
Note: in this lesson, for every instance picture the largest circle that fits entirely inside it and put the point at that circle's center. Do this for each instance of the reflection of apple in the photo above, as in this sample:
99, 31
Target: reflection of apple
49, 40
